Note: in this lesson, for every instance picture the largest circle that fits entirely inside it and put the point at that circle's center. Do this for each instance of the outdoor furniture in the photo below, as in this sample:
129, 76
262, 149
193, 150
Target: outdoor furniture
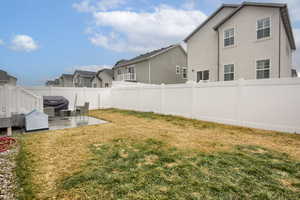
50, 111
65, 113
82, 110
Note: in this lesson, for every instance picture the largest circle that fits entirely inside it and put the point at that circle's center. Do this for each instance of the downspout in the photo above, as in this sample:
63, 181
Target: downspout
149, 68
279, 58
218, 56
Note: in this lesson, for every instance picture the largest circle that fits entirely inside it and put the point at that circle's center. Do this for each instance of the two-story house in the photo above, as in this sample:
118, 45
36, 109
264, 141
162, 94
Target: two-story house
166, 65
103, 78
66, 80
83, 78
242, 41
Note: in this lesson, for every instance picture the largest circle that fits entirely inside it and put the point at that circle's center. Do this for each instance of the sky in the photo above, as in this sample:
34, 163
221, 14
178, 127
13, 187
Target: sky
40, 40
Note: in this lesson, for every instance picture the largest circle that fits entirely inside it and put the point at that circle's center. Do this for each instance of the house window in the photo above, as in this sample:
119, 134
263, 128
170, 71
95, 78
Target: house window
263, 29
130, 70
263, 69
229, 72
203, 75
177, 69
229, 37
119, 71
184, 72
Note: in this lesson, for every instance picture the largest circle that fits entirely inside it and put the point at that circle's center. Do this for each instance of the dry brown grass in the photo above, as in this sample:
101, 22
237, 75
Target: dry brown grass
58, 154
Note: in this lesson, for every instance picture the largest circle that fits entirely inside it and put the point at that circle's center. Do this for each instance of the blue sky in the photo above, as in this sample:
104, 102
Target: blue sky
39, 40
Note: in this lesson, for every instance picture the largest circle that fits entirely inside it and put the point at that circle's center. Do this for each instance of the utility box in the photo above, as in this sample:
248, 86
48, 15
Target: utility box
5, 122
36, 120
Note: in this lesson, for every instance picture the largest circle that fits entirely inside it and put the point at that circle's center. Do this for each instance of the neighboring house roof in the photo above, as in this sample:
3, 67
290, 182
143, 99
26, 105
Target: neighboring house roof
284, 15
146, 56
210, 17
67, 76
85, 73
50, 82
106, 70
4, 76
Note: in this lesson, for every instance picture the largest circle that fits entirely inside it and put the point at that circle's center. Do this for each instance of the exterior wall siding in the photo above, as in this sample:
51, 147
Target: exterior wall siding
162, 68
203, 48
203, 52
247, 49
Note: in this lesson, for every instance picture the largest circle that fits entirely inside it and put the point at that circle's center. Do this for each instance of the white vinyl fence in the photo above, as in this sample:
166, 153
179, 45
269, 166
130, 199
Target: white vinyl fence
268, 104
15, 99
97, 97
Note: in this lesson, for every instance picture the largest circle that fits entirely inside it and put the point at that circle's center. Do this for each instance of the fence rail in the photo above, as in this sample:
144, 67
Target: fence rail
268, 104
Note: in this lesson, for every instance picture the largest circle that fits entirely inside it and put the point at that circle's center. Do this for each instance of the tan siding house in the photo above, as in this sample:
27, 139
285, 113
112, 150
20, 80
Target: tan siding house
103, 78
167, 65
66, 80
246, 41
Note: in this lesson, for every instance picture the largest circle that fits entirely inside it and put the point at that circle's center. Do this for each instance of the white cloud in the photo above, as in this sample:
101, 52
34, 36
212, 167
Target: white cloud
96, 5
93, 68
141, 31
190, 4
1, 42
23, 43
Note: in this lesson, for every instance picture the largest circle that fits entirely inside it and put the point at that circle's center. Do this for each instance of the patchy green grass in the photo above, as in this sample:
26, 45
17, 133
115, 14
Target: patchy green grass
176, 120
24, 173
158, 157
128, 169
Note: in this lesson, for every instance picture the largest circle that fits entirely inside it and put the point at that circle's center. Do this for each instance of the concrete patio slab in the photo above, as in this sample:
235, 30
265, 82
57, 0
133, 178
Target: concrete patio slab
73, 122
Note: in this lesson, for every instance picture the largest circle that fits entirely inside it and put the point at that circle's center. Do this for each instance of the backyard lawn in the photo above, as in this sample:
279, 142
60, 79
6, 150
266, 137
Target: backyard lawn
147, 156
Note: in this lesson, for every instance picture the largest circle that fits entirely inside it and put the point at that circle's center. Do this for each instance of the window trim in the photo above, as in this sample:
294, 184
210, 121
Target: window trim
270, 68
184, 68
176, 69
209, 75
234, 37
256, 28
230, 72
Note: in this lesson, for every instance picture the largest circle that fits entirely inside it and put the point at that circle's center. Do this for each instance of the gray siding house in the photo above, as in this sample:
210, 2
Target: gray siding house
103, 78
54, 83
83, 78
242, 41
167, 65
66, 80
5, 78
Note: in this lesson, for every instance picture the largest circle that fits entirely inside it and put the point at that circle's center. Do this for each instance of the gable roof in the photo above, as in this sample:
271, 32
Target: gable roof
210, 17
85, 73
146, 56
67, 76
284, 15
107, 70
